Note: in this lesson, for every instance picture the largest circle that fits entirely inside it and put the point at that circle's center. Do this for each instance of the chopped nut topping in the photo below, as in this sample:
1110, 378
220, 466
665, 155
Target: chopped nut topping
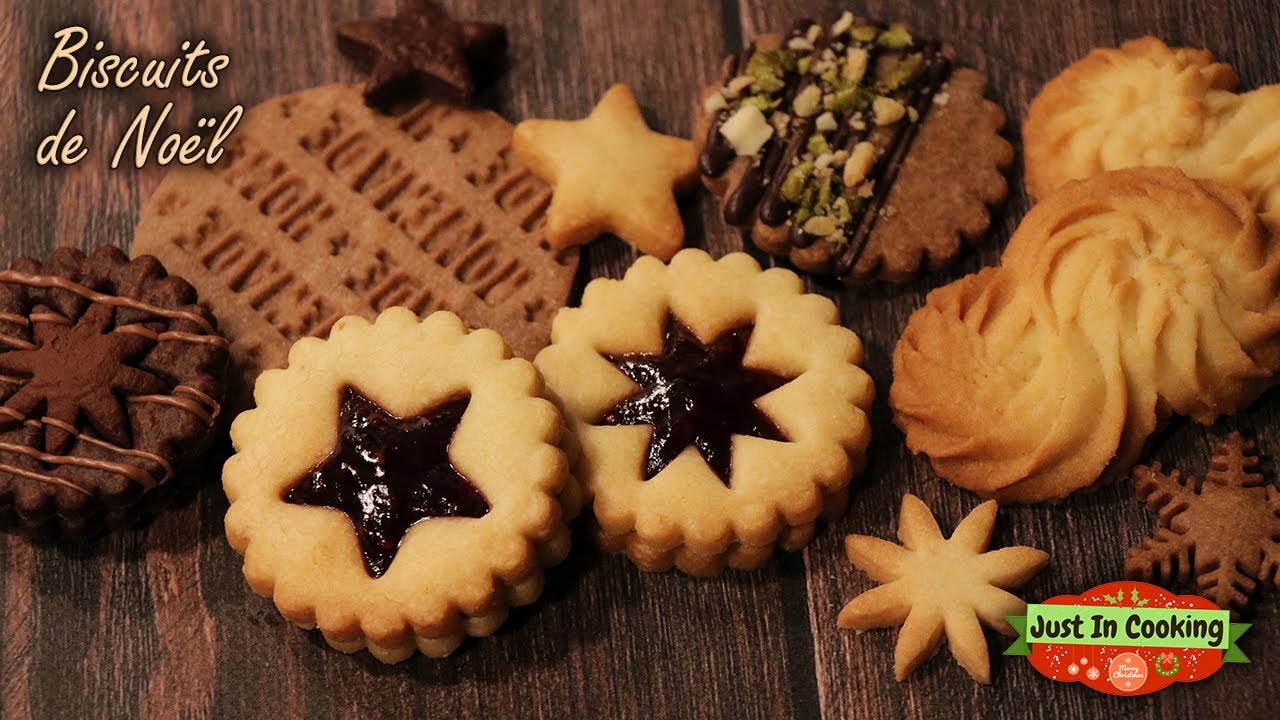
857, 123
799, 43
888, 111
813, 33
807, 101
843, 24
859, 163
826, 121
779, 121
855, 65
840, 157
747, 130
821, 67
913, 114
823, 161
867, 189
714, 103
735, 86
941, 99
820, 225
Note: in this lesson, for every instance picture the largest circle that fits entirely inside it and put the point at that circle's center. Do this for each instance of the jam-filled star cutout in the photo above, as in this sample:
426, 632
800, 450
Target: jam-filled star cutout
421, 51
389, 473
77, 369
695, 394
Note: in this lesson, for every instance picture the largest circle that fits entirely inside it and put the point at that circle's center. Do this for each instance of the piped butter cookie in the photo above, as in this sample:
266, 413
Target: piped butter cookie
718, 410
111, 382
1119, 301
855, 149
1147, 104
400, 485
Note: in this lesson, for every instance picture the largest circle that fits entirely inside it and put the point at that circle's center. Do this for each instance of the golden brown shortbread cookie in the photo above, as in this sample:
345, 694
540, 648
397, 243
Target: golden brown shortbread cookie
612, 174
400, 485
323, 208
718, 409
855, 149
1120, 300
936, 587
1146, 104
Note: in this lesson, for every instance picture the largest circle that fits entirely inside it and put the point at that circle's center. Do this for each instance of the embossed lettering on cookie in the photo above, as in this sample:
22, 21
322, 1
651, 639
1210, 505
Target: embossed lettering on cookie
111, 381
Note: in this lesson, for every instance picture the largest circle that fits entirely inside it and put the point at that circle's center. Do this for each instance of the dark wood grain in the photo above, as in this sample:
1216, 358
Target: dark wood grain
156, 622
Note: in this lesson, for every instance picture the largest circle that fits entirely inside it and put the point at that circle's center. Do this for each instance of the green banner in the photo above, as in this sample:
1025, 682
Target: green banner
1142, 627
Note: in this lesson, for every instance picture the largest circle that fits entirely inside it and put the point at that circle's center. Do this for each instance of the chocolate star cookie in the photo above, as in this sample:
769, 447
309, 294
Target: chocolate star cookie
855, 149
111, 379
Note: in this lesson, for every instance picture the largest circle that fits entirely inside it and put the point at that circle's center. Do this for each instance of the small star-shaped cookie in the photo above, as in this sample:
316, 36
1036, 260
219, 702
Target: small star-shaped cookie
935, 587
612, 174
389, 473
421, 50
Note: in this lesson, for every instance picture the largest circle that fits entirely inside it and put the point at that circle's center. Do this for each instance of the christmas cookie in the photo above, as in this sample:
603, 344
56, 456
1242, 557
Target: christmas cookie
936, 587
719, 410
612, 174
855, 149
1222, 532
421, 51
1119, 301
111, 379
1145, 103
323, 208
400, 485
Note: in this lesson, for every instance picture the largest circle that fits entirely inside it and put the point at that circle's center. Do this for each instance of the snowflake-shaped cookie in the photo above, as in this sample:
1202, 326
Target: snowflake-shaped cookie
1223, 533
935, 586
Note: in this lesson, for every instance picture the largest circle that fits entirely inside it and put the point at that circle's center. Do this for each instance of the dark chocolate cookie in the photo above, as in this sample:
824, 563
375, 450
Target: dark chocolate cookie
855, 149
111, 380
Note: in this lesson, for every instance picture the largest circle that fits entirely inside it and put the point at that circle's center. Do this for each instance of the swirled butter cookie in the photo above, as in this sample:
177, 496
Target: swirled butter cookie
719, 410
1147, 104
400, 485
1120, 300
855, 149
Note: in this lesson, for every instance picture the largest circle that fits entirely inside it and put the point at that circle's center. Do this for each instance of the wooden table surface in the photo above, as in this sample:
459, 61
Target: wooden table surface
157, 622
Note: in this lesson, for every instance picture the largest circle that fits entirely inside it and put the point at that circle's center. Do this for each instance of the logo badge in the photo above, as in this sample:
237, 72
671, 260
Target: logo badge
1127, 638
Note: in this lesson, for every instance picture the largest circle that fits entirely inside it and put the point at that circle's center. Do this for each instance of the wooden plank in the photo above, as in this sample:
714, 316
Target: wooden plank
157, 622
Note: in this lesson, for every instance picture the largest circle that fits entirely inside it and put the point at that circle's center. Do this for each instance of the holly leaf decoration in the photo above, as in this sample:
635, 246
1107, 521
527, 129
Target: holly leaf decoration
1134, 595
1111, 599
1143, 603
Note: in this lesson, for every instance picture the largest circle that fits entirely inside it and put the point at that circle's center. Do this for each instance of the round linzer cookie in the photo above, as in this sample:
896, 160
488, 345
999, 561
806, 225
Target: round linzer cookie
718, 410
111, 378
400, 485
855, 149
323, 207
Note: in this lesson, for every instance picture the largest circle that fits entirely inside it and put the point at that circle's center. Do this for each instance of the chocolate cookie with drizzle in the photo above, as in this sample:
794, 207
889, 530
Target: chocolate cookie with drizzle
111, 379
855, 149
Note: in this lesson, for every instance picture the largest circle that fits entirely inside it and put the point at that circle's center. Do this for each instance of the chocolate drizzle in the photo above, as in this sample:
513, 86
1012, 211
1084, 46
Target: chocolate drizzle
758, 194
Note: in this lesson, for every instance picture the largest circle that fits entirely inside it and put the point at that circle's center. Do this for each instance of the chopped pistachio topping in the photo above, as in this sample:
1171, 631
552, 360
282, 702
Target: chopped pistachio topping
904, 72
794, 183
895, 38
760, 102
817, 144
864, 33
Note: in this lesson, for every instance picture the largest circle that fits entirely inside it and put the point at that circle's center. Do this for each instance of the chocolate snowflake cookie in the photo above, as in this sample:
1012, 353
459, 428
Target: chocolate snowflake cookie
111, 379
855, 149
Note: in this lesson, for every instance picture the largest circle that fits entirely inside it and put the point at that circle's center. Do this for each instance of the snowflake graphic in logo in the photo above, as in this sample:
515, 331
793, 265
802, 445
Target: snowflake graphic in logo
1093, 673
1084, 661
1073, 669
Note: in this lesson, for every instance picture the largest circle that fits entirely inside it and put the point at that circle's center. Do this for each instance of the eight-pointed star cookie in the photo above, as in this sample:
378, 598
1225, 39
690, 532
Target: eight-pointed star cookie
73, 369
612, 174
389, 473
1223, 533
695, 394
420, 50
935, 586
